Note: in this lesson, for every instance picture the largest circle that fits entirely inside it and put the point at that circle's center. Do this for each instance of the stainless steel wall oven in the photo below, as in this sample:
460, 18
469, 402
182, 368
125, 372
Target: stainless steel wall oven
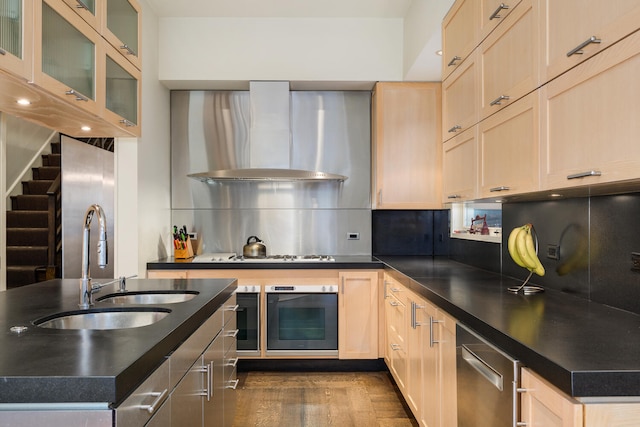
302, 320
248, 320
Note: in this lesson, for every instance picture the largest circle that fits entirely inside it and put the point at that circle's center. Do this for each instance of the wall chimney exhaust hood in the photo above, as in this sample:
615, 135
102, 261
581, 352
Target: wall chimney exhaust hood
270, 141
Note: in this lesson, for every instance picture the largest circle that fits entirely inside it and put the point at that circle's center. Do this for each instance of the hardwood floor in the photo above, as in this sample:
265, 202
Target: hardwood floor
317, 399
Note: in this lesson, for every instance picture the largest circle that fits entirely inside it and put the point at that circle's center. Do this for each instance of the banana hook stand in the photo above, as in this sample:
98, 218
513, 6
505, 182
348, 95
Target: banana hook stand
524, 288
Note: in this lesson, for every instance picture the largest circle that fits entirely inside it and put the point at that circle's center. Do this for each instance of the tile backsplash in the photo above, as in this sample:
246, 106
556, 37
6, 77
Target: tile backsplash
594, 237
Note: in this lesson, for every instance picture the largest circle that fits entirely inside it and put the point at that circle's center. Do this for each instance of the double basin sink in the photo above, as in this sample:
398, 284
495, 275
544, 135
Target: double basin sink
120, 316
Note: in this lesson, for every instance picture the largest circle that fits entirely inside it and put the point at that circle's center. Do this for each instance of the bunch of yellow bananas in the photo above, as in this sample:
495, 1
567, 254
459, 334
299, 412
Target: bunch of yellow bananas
523, 250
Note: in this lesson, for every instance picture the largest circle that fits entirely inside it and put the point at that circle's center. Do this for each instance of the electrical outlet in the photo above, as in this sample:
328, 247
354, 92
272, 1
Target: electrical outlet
553, 252
635, 261
353, 236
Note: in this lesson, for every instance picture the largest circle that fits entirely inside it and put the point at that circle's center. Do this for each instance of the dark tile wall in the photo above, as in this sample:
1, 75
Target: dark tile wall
410, 232
595, 236
482, 255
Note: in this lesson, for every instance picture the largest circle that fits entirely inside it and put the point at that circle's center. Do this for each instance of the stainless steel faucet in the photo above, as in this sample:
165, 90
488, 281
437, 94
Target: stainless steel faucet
86, 290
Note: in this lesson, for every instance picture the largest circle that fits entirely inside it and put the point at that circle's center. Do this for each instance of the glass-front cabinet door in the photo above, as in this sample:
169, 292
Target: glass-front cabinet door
16, 37
122, 92
67, 56
87, 10
121, 27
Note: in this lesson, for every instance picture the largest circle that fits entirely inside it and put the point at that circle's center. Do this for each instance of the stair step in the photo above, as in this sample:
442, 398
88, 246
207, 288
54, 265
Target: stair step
31, 202
27, 236
37, 219
20, 276
40, 186
27, 255
55, 147
46, 172
51, 160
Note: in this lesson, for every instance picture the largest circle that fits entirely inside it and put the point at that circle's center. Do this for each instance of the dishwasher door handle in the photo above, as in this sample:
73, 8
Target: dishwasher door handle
482, 367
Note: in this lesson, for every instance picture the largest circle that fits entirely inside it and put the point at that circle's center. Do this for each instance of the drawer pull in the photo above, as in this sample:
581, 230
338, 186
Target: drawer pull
453, 61
128, 49
160, 397
578, 49
233, 308
127, 123
395, 290
394, 303
495, 14
454, 196
584, 174
81, 5
498, 100
395, 347
232, 334
456, 128
79, 96
432, 340
232, 362
233, 384
501, 188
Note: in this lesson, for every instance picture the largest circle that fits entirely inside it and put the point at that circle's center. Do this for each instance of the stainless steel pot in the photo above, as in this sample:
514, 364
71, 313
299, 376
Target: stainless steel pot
255, 248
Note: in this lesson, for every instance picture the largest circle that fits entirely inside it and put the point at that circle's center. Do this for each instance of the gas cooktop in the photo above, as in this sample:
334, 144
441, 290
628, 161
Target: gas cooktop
232, 257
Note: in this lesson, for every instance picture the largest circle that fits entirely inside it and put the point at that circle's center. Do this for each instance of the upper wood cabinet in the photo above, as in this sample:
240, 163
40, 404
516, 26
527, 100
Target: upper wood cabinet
460, 167
407, 148
460, 34
461, 98
88, 10
121, 26
16, 37
508, 59
508, 149
123, 91
590, 120
492, 13
573, 30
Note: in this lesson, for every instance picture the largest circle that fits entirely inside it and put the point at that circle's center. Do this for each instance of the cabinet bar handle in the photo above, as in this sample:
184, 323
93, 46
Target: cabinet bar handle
2, 51
233, 308
209, 380
455, 129
495, 15
342, 286
395, 347
394, 303
232, 362
454, 196
232, 334
81, 5
79, 96
578, 49
233, 384
481, 366
453, 61
160, 397
584, 174
498, 100
127, 123
432, 322
501, 188
128, 49
395, 290
386, 283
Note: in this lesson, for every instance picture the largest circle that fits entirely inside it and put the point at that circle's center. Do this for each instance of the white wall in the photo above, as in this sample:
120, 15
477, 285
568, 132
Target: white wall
200, 53
144, 215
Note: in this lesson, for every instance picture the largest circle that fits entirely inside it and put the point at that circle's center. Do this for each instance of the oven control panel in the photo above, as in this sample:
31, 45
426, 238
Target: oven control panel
306, 289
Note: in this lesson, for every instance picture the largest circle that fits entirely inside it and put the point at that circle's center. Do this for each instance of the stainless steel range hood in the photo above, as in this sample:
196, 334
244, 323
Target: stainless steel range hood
269, 142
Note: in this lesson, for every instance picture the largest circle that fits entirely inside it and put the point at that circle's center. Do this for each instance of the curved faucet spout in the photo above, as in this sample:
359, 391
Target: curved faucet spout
103, 252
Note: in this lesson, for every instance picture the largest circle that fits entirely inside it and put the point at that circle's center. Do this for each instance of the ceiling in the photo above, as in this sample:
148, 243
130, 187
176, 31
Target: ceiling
282, 8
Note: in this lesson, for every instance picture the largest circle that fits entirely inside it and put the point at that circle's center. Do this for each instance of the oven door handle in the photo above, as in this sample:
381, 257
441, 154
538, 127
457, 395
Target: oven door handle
482, 367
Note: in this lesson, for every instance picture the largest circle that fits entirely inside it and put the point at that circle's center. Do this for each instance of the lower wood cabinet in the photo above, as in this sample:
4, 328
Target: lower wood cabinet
358, 315
421, 355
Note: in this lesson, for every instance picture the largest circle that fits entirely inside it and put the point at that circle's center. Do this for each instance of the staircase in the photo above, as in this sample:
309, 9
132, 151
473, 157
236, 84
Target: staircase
34, 227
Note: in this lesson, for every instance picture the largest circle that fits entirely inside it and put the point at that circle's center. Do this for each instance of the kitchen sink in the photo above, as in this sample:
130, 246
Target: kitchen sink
149, 297
103, 318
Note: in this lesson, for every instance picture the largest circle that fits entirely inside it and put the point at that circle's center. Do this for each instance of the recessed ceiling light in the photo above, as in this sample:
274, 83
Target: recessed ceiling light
85, 128
555, 195
23, 101
439, 52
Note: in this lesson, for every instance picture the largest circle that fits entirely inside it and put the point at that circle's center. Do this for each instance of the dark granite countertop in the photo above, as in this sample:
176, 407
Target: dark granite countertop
586, 349
53, 366
341, 262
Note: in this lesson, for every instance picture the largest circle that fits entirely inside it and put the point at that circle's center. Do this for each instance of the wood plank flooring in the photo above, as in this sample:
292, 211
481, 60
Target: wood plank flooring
318, 399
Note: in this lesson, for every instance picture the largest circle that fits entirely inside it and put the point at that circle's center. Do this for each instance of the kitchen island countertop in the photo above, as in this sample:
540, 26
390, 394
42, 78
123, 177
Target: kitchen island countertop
43, 365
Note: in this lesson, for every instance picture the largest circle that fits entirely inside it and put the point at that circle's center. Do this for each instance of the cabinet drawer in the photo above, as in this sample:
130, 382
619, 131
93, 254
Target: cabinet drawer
230, 308
146, 399
230, 335
509, 59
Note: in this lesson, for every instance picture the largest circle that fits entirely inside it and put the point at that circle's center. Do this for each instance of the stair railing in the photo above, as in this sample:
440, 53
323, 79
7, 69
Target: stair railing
54, 238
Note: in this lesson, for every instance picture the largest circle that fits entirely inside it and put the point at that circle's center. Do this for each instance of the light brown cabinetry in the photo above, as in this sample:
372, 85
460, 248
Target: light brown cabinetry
492, 13
574, 31
358, 315
395, 354
508, 59
460, 34
589, 120
16, 38
460, 167
461, 98
508, 149
121, 26
407, 152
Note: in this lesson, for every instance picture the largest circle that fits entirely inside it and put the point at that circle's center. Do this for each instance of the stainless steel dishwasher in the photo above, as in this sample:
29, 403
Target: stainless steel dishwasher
488, 380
